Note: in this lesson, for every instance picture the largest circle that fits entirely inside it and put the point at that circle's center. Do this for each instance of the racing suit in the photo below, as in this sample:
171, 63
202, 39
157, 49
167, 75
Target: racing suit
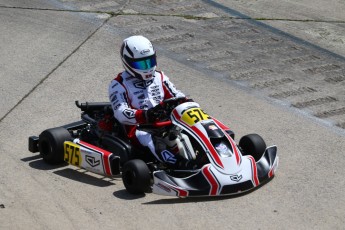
130, 97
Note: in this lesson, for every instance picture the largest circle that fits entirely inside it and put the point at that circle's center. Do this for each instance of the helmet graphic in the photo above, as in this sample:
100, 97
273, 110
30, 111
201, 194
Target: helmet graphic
139, 57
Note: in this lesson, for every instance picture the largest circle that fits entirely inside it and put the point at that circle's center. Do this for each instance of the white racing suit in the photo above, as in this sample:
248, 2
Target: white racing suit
130, 96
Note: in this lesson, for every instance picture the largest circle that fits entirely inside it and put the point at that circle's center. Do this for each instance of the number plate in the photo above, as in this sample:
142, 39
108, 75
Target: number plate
72, 153
193, 116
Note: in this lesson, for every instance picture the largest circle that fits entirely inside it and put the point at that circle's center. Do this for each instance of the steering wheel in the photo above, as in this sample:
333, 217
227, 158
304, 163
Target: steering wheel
174, 99
162, 112
171, 103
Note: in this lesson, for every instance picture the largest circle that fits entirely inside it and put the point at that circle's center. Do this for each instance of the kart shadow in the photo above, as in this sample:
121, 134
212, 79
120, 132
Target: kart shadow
37, 162
81, 176
124, 195
177, 200
78, 175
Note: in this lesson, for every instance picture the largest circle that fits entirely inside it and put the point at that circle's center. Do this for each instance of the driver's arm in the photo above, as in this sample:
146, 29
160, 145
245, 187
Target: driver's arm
169, 88
121, 106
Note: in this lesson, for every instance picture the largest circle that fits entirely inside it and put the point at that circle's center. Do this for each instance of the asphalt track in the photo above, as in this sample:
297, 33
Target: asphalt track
255, 69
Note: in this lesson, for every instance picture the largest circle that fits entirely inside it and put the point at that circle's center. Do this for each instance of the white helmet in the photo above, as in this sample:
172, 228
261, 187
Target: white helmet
139, 57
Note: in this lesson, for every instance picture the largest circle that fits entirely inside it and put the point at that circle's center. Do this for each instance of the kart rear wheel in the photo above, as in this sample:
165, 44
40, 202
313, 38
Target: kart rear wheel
136, 176
51, 144
254, 145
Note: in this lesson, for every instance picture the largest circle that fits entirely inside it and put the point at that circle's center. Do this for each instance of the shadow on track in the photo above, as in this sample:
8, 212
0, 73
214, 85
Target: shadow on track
37, 162
124, 195
77, 174
83, 177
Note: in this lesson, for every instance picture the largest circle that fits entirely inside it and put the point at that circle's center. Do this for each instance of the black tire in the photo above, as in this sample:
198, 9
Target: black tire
253, 144
136, 176
51, 144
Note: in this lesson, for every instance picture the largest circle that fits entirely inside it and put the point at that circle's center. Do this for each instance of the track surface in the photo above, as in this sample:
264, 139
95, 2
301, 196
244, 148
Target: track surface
279, 73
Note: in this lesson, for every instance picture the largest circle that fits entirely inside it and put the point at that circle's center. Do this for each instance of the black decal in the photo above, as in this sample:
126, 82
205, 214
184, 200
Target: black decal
113, 97
157, 98
136, 93
129, 113
236, 178
144, 107
147, 83
139, 84
91, 161
142, 84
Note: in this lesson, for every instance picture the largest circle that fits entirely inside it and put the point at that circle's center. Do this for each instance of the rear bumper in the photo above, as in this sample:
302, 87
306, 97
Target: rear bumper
34, 140
33, 144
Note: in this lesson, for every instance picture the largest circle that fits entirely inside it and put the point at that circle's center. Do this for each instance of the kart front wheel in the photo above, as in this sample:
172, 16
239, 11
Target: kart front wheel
50, 144
254, 145
136, 176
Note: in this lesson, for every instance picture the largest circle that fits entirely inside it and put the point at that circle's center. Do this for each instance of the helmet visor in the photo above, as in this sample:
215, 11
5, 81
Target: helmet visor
143, 64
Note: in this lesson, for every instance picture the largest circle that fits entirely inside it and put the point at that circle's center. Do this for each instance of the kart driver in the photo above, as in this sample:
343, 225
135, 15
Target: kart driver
137, 90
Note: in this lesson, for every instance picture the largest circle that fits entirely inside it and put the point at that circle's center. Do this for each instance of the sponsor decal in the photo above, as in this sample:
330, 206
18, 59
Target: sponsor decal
141, 102
168, 157
92, 161
113, 97
155, 89
142, 84
223, 149
137, 92
116, 106
129, 113
143, 52
157, 99
115, 102
236, 178
105, 155
141, 97
144, 107
212, 127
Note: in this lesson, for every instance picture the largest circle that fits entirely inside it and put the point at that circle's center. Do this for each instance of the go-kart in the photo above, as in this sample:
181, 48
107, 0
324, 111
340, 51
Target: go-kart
100, 144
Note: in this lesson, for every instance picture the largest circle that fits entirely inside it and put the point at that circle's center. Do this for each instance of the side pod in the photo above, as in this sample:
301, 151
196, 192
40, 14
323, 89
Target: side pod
91, 158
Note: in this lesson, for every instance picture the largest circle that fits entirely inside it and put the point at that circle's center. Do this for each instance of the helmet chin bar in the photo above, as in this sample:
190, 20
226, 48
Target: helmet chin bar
145, 77
148, 77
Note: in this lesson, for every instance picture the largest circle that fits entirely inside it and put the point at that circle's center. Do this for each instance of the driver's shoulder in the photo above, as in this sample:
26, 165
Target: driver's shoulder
117, 83
160, 75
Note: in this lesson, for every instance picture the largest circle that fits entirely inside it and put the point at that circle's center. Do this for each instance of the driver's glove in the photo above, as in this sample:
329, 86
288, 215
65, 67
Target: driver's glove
151, 115
188, 99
